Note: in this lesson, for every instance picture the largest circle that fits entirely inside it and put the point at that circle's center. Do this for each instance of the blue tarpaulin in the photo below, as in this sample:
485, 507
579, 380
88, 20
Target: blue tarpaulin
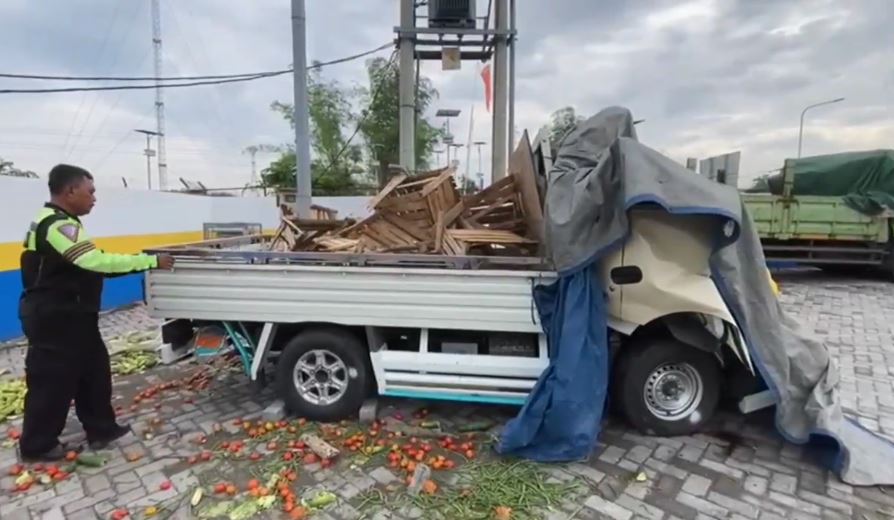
561, 419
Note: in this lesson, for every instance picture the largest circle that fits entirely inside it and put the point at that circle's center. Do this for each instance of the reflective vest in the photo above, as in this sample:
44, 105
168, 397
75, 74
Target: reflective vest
62, 269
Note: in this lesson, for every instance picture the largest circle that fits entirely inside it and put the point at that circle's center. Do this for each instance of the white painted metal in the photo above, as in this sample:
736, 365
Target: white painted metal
268, 332
758, 401
356, 296
423, 341
461, 364
425, 380
453, 392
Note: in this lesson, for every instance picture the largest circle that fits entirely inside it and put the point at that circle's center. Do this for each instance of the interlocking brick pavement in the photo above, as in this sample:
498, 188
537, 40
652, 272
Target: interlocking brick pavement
750, 475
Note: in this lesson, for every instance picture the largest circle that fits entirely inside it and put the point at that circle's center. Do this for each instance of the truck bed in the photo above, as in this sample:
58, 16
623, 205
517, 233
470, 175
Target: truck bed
239, 280
817, 230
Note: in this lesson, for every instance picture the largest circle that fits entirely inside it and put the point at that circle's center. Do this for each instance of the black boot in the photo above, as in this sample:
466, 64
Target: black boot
56, 454
103, 442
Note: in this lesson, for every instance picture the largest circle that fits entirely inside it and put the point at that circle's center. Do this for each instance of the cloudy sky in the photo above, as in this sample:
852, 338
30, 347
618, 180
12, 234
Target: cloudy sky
708, 76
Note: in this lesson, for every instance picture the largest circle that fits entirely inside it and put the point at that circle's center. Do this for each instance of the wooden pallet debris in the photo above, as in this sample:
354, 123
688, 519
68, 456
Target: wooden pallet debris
425, 213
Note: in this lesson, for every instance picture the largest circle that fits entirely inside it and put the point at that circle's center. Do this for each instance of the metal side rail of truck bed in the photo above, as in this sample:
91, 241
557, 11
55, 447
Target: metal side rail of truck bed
253, 250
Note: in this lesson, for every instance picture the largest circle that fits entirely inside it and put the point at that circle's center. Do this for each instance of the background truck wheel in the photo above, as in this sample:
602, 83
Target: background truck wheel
323, 374
665, 387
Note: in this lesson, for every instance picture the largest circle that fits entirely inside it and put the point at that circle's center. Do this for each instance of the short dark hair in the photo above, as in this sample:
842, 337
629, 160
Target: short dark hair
63, 176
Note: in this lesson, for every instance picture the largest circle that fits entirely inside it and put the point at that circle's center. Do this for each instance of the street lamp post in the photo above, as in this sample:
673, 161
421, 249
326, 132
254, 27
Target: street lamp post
149, 153
801, 128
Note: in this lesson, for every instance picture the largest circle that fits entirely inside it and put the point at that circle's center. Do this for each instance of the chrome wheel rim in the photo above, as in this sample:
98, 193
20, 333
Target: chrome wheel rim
673, 391
320, 377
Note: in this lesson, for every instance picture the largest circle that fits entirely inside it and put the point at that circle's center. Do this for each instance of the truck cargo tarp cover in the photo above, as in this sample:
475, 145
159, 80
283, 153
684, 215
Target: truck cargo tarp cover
601, 172
865, 180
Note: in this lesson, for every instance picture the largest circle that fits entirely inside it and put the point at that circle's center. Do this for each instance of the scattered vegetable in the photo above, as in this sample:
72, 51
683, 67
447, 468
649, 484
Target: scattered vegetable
322, 499
12, 400
90, 461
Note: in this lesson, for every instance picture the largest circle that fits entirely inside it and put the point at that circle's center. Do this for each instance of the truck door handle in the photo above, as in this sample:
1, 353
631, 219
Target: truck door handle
626, 275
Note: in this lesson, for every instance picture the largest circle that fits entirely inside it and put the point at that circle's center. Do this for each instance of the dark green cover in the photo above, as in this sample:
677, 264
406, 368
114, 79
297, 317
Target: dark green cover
864, 179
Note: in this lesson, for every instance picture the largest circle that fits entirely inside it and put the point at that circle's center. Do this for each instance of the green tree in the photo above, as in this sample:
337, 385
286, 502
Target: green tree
335, 164
380, 127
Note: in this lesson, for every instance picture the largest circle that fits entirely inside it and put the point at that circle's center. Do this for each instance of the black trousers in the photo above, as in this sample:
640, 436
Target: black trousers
67, 360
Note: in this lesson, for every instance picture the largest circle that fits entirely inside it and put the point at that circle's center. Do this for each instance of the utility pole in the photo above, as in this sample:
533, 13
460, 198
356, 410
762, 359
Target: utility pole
479, 144
511, 141
252, 151
159, 97
302, 127
407, 89
500, 138
149, 152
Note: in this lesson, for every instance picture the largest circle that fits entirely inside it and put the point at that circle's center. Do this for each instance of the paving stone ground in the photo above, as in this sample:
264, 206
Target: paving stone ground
752, 474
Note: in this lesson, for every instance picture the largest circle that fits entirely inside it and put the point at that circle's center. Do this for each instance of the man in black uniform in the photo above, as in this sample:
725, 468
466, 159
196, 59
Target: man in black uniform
62, 278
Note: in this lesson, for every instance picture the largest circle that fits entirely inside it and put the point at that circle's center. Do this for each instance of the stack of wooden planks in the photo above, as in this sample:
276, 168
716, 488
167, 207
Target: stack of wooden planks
425, 213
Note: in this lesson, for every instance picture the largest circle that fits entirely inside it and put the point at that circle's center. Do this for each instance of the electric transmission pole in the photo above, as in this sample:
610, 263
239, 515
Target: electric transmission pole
159, 96
303, 184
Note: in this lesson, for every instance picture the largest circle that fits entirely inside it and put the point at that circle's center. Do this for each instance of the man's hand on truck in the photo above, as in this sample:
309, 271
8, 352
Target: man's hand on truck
165, 261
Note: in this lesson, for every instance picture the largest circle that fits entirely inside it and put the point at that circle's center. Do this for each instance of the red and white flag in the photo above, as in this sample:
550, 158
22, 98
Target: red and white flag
488, 85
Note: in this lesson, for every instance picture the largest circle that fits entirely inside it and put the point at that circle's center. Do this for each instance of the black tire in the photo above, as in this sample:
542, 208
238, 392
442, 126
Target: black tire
332, 344
649, 360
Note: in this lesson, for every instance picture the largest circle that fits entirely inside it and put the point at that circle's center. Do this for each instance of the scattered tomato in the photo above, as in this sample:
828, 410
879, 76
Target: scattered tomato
220, 488
206, 456
71, 456
16, 470
288, 456
253, 484
59, 476
429, 487
231, 490
299, 513
166, 485
133, 457
254, 457
271, 446
311, 458
120, 514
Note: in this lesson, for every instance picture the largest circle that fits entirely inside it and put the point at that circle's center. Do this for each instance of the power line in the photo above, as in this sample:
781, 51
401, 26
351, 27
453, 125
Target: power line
194, 78
142, 87
115, 58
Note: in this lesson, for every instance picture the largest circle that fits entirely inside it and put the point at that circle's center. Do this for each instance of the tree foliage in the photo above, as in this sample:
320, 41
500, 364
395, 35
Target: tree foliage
340, 167
381, 126
335, 165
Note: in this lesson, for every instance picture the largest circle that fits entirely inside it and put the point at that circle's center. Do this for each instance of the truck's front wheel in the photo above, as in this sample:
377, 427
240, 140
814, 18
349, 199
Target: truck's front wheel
322, 374
665, 387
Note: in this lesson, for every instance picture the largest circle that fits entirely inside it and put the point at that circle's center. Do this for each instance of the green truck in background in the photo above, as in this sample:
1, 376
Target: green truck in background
831, 211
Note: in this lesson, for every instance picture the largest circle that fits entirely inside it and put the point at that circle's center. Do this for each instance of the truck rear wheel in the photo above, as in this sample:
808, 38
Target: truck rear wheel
323, 374
665, 387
